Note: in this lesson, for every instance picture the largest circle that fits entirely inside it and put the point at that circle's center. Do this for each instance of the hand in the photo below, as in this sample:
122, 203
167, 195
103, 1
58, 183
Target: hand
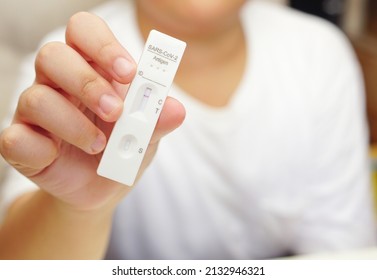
62, 121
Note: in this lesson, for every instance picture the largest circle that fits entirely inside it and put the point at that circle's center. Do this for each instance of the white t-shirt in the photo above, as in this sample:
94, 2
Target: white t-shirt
283, 168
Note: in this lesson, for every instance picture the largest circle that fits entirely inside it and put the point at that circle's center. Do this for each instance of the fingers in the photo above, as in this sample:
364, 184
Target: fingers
59, 65
26, 149
91, 36
44, 107
85, 67
92, 68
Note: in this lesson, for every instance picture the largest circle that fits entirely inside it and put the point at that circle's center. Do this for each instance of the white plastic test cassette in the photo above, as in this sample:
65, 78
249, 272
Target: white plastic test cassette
143, 104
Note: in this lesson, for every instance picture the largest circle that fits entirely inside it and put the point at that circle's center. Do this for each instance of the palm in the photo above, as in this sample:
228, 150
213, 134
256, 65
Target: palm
73, 178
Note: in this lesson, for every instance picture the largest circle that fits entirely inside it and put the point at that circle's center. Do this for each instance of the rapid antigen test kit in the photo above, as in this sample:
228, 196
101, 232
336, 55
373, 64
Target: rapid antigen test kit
145, 98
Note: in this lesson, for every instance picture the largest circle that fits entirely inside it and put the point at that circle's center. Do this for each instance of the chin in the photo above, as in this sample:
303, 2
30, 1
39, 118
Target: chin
192, 17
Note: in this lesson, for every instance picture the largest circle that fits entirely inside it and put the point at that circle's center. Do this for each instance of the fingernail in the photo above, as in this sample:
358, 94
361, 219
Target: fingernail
122, 67
99, 144
109, 103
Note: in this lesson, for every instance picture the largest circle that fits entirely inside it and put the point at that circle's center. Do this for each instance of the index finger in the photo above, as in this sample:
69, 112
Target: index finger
91, 36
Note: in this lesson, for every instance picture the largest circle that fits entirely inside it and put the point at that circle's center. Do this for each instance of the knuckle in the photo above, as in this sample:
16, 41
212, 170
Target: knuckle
9, 143
46, 52
76, 20
106, 48
85, 134
31, 100
89, 84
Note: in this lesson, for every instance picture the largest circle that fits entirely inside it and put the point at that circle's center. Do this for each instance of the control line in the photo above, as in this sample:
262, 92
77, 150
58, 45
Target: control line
153, 81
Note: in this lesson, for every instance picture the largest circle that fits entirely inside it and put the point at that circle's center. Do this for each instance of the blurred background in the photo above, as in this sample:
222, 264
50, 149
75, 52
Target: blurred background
24, 23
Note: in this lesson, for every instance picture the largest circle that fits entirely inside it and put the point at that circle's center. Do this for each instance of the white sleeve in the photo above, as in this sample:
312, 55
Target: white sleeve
340, 213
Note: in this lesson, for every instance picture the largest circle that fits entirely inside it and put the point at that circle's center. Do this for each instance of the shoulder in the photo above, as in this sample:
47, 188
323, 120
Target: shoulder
314, 51
294, 30
288, 21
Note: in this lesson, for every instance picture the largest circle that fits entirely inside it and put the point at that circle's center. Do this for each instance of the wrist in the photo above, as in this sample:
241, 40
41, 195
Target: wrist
39, 226
74, 213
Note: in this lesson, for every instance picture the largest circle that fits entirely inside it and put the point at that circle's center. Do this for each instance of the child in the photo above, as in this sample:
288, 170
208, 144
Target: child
271, 159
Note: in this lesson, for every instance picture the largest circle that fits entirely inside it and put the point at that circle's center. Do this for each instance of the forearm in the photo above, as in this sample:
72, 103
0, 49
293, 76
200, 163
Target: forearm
38, 226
